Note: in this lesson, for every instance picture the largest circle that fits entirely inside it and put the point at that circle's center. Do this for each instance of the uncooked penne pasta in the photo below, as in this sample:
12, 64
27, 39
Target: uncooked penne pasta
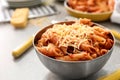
113, 76
17, 52
116, 34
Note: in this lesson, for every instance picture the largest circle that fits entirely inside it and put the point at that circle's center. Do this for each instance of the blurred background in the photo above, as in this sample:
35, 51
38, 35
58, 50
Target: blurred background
42, 13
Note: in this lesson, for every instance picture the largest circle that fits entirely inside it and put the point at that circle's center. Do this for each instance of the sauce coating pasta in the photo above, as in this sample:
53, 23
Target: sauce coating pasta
80, 41
92, 6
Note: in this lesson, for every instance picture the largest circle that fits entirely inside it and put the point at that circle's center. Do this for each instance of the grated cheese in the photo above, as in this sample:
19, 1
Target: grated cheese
71, 35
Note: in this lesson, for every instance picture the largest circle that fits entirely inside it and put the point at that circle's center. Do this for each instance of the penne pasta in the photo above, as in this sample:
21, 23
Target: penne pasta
97, 38
51, 50
75, 57
92, 6
108, 44
79, 41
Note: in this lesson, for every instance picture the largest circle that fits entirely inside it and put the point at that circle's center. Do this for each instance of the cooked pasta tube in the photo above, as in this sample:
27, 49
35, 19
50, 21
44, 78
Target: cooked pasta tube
51, 50
75, 57
22, 48
113, 76
116, 34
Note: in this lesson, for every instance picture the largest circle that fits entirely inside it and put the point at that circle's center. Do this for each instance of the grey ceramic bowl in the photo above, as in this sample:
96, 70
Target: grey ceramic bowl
71, 69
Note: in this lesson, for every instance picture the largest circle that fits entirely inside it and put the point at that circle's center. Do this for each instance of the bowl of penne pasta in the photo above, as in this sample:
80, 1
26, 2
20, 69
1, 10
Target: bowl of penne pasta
74, 49
96, 10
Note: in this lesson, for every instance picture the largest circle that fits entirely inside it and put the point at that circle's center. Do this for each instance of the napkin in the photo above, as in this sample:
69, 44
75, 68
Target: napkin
115, 17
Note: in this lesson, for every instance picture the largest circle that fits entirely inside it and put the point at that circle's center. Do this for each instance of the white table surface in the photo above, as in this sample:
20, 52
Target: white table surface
28, 66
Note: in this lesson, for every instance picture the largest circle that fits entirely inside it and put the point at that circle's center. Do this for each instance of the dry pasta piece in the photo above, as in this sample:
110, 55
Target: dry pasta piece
116, 34
115, 75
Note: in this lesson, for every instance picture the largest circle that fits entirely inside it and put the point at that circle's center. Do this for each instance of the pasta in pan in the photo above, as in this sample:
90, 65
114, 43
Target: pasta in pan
80, 41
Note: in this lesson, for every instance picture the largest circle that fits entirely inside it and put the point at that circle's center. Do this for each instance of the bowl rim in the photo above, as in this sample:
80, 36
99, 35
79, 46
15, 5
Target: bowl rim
49, 26
80, 12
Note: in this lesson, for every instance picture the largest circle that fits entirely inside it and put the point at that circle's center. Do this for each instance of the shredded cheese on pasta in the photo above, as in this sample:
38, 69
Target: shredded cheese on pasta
75, 41
71, 35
